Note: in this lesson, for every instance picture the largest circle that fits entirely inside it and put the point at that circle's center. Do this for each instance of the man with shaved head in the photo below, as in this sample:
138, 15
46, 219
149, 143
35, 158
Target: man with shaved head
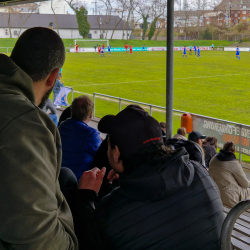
33, 212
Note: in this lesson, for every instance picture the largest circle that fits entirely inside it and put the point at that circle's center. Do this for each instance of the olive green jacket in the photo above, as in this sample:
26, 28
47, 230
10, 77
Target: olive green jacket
33, 212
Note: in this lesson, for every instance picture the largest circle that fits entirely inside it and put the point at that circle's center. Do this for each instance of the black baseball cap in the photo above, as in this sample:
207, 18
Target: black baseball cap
131, 129
194, 135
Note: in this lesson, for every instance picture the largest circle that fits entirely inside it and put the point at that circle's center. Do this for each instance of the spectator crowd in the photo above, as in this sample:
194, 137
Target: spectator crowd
68, 188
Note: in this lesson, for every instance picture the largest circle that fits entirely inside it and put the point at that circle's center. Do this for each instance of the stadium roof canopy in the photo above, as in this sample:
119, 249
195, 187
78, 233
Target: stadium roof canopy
15, 2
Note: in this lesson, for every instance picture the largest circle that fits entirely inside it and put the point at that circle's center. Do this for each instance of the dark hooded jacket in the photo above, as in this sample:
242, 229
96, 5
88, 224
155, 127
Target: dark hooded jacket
167, 202
194, 153
210, 152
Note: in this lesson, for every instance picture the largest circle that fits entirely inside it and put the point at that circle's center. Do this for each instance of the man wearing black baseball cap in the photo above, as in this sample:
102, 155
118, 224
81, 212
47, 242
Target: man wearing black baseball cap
164, 200
193, 146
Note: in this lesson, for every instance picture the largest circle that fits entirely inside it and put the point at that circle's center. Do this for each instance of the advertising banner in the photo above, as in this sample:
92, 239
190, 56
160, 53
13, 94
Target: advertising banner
223, 132
72, 50
121, 49
234, 49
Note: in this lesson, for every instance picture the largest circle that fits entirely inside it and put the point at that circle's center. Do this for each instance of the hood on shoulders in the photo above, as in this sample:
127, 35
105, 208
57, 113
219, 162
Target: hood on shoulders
185, 143
13, 80
180, 137
158, 178
225, 155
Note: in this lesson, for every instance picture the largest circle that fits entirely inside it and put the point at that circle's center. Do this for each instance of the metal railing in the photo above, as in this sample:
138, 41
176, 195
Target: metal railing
7, 49
151, 106
229, 222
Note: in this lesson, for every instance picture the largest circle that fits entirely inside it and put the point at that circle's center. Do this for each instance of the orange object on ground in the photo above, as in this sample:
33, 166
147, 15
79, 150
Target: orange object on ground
186, 122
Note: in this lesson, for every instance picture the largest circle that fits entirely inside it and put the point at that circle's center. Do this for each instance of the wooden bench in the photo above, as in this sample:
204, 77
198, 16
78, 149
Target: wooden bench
241, 231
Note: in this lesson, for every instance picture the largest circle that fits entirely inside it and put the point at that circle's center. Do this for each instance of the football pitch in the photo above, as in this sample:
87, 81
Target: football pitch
214, 85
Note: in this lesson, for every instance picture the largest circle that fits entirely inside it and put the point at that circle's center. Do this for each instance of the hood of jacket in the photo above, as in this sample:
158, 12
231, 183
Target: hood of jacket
224, 155
13, 80
158, 178
180, 137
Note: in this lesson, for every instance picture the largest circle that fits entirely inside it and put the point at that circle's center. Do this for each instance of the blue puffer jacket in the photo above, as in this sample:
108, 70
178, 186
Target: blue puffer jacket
79, 145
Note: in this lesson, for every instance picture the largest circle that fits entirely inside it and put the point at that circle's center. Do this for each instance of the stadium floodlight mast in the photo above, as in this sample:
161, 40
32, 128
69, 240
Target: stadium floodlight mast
106, 40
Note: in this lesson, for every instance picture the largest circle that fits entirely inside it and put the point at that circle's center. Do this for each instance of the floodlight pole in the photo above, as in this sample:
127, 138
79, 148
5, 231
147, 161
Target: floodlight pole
170, 69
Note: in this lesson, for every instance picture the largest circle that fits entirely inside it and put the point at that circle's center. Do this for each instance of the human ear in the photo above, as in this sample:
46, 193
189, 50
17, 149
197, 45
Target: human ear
52, 77
116, 154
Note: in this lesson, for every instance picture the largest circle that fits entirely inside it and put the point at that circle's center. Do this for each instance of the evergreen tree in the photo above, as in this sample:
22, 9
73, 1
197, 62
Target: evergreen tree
82, 20
152, 28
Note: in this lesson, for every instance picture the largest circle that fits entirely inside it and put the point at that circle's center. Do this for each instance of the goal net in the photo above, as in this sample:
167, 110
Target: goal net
91, 43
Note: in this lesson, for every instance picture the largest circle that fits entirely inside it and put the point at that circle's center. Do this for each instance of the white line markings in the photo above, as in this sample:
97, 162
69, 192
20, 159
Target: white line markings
183, 78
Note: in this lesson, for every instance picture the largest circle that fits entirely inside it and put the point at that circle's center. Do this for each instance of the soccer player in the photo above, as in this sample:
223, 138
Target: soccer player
143, 48
190, 50
99, 49
212, 46
238, 52
109, 47
184, 52
130, 49
195, 50
198, 52
126, 48
103, 51
76, 45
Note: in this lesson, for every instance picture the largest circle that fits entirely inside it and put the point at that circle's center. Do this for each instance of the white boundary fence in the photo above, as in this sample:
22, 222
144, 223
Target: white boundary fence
72, 50
7, 49
223, 130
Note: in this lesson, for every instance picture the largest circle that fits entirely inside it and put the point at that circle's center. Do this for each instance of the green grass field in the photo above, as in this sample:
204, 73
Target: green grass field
214, 85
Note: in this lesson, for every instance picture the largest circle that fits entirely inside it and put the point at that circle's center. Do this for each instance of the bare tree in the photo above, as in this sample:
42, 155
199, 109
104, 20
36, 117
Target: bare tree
36, 6
143, 9
52, 8
9, 9
128, 7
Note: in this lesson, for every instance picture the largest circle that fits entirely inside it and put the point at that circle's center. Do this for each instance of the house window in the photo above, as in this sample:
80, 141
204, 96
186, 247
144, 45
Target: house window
15, 33
235, 14
95, 32
238, 17
235, 5
244, 7
244, 18
208, 22
244, 12
235, 20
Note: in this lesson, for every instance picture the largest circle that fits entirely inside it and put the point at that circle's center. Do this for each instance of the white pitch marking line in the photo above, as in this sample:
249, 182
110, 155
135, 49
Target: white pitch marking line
192, 77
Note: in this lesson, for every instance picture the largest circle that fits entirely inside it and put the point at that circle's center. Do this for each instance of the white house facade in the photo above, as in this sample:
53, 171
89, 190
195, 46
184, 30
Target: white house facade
105, 27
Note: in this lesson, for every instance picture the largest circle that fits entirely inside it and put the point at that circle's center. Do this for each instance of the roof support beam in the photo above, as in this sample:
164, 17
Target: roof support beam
170, 69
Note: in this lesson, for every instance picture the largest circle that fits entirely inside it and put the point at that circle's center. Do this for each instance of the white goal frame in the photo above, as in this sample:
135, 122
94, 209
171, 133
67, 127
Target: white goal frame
93, 41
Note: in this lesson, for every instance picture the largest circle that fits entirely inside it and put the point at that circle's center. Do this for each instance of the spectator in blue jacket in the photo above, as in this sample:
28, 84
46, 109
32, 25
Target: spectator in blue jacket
79, 141
57, 87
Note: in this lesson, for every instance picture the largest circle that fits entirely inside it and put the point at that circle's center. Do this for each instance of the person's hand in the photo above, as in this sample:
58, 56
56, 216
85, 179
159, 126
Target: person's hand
92, 179
112, 176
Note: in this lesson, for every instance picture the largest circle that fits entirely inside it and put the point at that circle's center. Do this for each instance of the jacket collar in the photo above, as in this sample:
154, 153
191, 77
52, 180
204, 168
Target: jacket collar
13, 80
